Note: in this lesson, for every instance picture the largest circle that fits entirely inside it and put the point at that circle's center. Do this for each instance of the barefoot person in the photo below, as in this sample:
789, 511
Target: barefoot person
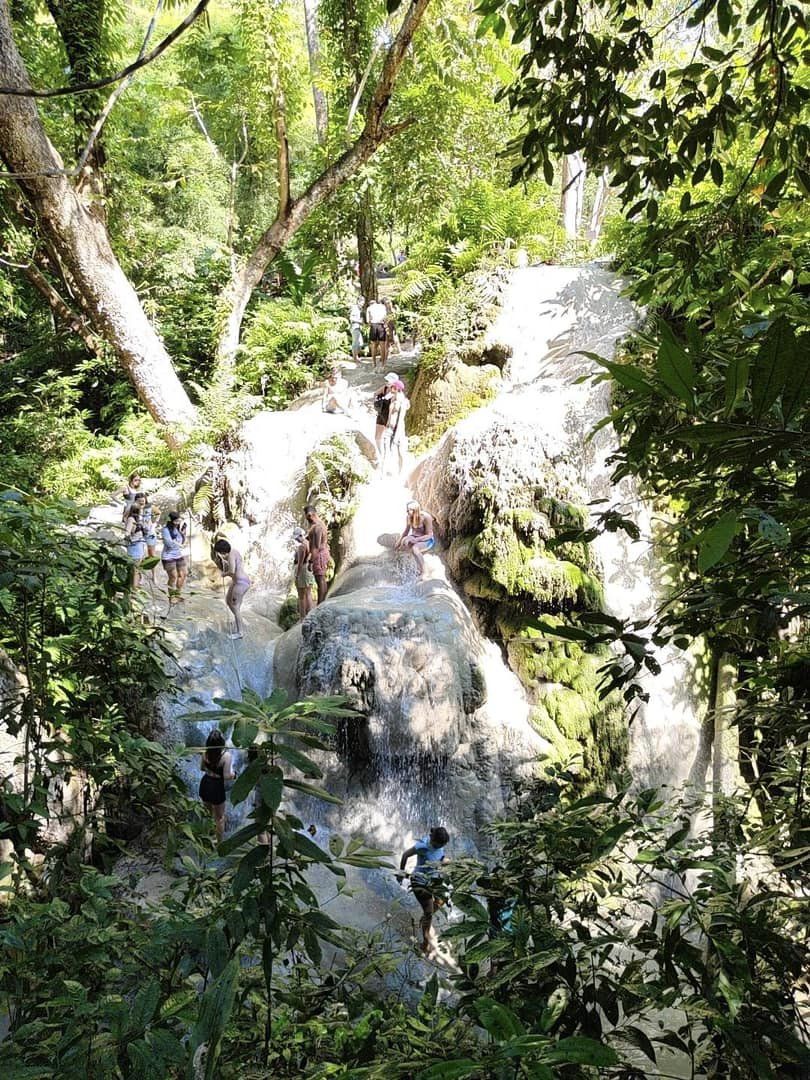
173, 555
417, 536
318, 541
132, 489
230, 561
336, 395
148, 522
382, 406
216, 768
395, 438
426, 882
356, 324
304, 578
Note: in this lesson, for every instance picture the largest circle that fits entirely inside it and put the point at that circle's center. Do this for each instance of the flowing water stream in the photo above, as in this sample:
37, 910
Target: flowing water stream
548, 317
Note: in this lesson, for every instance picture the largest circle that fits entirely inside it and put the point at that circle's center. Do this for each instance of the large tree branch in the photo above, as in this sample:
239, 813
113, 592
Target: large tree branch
282, 153
62, 313
375, 132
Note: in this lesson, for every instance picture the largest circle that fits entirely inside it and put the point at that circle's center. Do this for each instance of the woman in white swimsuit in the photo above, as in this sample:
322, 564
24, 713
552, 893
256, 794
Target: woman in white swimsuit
230, 561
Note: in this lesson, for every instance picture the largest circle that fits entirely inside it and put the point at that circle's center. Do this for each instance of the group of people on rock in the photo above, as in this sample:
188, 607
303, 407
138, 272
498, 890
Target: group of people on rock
378, 316
141, 537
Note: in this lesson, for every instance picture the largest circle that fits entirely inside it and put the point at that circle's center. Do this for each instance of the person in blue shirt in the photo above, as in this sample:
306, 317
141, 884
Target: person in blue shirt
426, 882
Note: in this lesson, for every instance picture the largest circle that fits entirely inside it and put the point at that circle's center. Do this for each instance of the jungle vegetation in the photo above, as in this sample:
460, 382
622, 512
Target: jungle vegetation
185, 193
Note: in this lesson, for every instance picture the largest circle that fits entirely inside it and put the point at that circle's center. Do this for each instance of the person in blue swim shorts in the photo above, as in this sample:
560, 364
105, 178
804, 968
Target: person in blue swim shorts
417, 536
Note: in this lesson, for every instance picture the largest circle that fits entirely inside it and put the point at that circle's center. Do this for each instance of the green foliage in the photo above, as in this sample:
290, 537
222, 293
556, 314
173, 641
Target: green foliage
289, 347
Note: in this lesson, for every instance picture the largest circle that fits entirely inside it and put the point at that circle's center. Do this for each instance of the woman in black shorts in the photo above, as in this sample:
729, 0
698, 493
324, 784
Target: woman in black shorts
216, 767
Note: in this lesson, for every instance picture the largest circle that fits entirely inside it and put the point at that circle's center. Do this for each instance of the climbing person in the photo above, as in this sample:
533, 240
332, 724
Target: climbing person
377, 334
417, 536
133, 487
318, 540
336, 395
304, 578
426, 881
356, 324
382, 406
395, 439
135, 540
216, 768
230, 562
173, 555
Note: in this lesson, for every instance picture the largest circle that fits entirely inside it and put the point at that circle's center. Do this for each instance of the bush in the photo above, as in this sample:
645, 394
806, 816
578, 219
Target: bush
286, 348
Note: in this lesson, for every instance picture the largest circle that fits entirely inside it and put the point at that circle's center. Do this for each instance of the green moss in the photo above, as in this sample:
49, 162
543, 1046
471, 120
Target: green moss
334, 471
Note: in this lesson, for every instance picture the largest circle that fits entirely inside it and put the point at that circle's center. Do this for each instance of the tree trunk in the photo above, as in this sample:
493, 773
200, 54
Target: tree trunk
599, 206
314, 49
573, 191
82, 246
365, 248
289, 219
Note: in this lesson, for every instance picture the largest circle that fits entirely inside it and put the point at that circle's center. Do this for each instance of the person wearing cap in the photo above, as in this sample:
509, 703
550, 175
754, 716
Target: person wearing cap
304, 578
173, 556
382, 405
417, 536
395, 439
376, 316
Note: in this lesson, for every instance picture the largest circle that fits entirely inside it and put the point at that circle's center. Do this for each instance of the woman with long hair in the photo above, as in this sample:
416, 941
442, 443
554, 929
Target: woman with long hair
230, 562
135, 540
304, 578
173, 555
216, 769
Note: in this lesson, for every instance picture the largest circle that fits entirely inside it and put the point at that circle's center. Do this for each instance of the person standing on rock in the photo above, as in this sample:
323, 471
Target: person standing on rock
382, 406
395, 440
417, 536
216, 768
376, 316
426, 880
304, 578
230, 561
136, 541
318, 540
356, 324
173, 555
132, 489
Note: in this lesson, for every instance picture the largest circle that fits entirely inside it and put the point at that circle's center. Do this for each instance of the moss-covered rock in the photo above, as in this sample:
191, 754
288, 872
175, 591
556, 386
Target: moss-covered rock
334, 471
510, 516
440, 400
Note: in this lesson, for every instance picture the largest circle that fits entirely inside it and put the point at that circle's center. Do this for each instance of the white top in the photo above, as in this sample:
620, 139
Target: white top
375, 312
355, 315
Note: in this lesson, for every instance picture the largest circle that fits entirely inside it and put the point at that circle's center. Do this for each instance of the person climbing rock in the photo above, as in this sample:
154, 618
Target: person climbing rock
304, 578
216, 768
173, 555
382, 406
395, 439
378, 333
426, 880
135, 540
230, 561
417, 536
318, 540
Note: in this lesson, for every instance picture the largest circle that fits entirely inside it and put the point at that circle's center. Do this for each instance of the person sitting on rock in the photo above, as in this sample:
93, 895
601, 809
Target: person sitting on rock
336, 396
417, 536
318, 540
426, 881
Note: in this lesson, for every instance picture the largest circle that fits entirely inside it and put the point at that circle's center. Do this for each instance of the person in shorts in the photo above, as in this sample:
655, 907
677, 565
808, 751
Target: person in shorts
426, 880
173, 556
376, 317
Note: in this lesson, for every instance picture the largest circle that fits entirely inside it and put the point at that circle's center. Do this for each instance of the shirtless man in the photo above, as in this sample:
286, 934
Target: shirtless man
318, 540
417, 536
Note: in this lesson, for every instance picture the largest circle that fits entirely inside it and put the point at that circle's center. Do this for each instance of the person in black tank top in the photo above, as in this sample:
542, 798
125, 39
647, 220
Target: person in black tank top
216, 768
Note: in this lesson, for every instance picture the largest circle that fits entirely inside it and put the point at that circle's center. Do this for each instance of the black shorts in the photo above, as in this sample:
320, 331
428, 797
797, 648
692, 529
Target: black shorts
212, 790
377, 332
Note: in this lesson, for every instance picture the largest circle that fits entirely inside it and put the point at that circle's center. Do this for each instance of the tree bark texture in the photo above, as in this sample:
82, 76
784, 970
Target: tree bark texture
573, 193
365, 248
314, 50
82, 247
290, 218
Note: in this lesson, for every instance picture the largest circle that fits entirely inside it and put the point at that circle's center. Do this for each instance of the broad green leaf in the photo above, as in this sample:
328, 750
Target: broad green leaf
271, 788
298, 760
245, 782
638, 1038
675, 368
579, 1050
736, 381
714, 542
215, 1012
315, 792
306, 847
555, 1006
797, 381
499, 1021
776, 358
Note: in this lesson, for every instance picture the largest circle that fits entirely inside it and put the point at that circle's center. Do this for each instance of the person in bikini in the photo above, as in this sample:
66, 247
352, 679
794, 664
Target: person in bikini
216, 769
230, 561
417, 536
318, 540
